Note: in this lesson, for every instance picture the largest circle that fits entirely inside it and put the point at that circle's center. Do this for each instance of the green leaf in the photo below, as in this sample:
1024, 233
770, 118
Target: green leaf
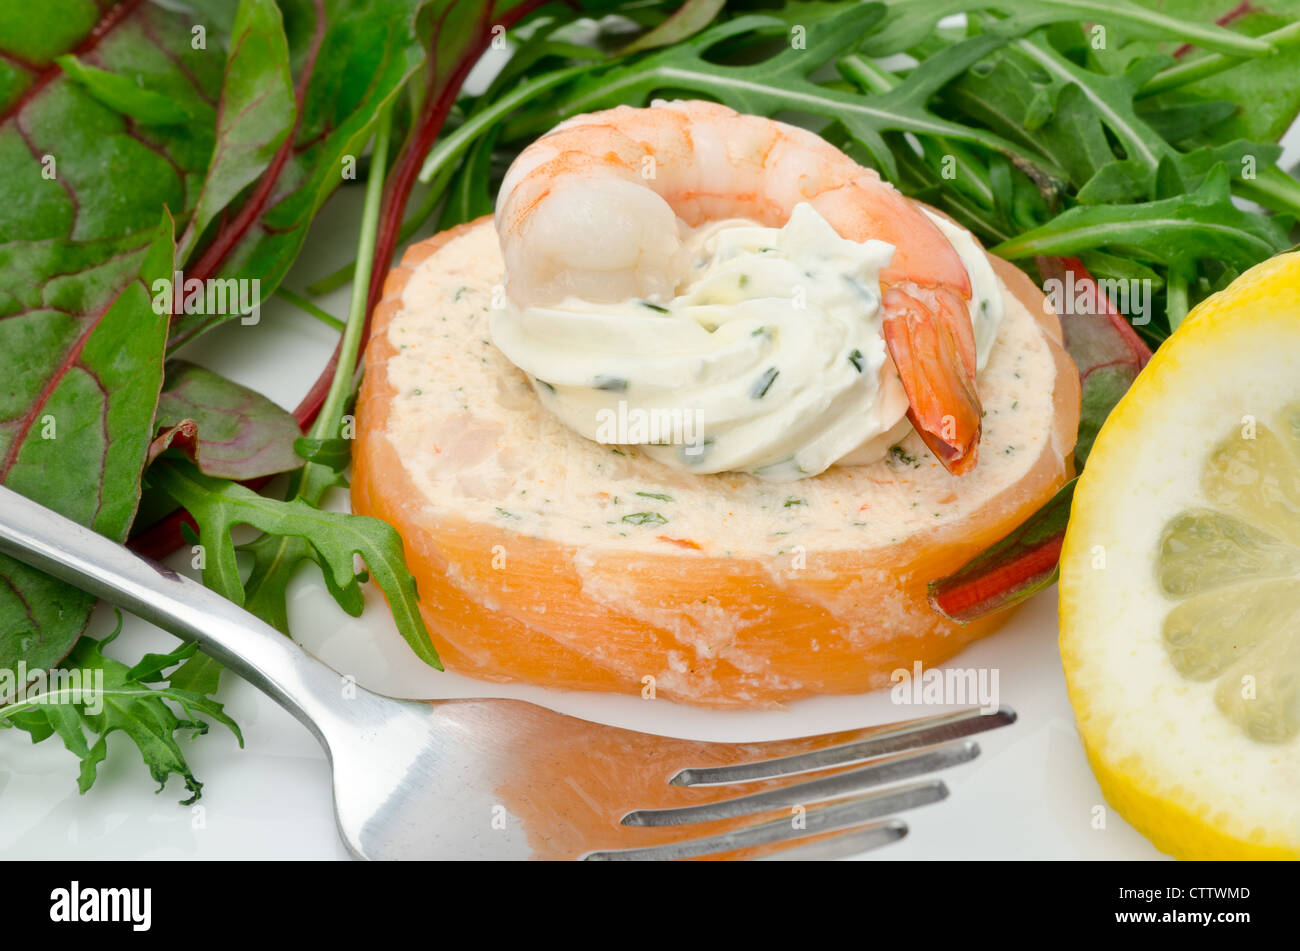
76, 168
239, 433
1263, 89
334, 453
911, 21
257, 111
1125, 180
126, 96
82, 356
108, 697
470, 195
276, 558
1174, 231
690, 18
781, 83
334, 538
1177, 122
347, 66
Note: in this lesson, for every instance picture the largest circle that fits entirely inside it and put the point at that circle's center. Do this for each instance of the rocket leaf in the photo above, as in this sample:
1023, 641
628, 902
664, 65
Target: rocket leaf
332, 539
1176, 231
781, 82
126, 701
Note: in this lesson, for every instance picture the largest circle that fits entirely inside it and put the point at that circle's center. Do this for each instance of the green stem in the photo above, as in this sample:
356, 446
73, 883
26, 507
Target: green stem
327, 423
865, 74
1175, 298
428, 205
308, 307
450, 148
1189, 71
1272, 188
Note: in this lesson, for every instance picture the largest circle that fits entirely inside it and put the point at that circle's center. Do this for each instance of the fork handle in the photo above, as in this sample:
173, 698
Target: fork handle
263, 656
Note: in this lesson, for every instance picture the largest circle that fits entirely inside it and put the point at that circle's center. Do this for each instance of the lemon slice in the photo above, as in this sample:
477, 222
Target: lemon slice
1180, 582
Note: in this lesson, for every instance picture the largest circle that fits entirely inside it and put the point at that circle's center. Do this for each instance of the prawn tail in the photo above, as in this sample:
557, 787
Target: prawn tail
938, 375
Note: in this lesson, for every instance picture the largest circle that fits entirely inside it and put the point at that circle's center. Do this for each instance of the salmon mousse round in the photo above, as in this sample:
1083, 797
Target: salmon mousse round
702, 410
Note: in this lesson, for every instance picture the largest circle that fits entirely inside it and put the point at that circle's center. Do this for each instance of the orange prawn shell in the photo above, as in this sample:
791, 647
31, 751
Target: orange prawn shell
841, 624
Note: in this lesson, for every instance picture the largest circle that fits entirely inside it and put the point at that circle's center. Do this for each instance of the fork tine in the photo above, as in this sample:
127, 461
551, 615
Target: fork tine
850, 814
837, 845
854, 747
835, 786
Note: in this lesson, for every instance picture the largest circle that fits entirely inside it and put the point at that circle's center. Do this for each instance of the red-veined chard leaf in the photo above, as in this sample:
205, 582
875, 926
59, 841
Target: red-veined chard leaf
76, 167
1109, 356
346, 60
228, 430
257, 111
129, 97
82, 348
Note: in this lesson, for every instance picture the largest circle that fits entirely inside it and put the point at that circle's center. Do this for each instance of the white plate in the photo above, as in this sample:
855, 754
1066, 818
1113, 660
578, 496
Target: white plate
1030, 794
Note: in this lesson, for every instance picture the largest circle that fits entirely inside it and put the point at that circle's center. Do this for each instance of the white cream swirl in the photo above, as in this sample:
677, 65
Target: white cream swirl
769, 359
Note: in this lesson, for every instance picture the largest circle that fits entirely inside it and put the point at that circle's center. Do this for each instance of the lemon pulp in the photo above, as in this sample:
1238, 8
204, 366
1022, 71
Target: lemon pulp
1235, 569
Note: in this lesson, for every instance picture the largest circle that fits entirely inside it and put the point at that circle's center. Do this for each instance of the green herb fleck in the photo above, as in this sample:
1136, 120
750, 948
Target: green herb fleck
645, 518
897, 452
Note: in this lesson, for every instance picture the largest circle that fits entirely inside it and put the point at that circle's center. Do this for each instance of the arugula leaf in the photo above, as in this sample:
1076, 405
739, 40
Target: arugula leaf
1176, 231
781, 84
334, 538
911, 21
125, 701
84, 351
1264, 90
237, 433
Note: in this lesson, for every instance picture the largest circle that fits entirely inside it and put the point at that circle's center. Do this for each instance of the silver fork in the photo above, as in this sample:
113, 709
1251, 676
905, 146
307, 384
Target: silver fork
505, 779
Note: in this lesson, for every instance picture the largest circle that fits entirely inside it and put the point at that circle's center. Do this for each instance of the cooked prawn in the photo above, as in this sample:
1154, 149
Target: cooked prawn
593, 209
